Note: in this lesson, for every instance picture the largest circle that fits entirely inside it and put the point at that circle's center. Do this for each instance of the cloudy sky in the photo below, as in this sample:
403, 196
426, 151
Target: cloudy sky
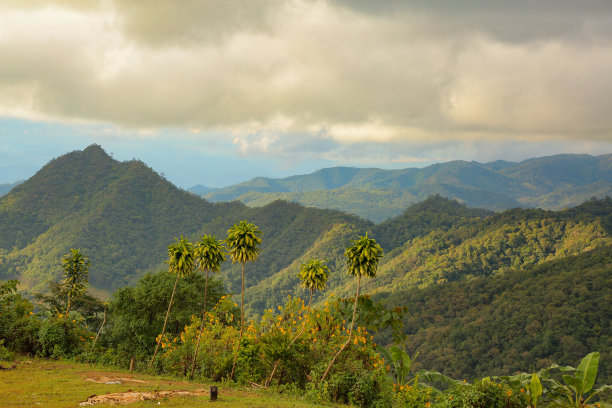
217, 92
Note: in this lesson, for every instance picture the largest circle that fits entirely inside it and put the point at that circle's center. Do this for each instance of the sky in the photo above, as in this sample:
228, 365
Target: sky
217, 92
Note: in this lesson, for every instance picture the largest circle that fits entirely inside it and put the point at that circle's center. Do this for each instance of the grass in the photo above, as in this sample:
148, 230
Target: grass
58, 384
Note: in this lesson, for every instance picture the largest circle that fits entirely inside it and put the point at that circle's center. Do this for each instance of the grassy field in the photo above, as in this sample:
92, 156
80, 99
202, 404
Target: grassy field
43, 383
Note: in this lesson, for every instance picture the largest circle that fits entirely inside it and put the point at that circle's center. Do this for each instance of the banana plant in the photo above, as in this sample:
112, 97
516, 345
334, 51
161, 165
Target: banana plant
534, 391
577, 389
400, 363
437, 381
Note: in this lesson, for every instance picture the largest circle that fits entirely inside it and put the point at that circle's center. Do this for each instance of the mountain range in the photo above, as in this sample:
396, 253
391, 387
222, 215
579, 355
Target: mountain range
124, 215
441, 258
553, 182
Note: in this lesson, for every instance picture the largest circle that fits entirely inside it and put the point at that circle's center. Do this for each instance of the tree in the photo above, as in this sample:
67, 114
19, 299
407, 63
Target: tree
76, 267
242, 241
361, 260
313, 275
181, 262
55, 302
209, 255
136, 313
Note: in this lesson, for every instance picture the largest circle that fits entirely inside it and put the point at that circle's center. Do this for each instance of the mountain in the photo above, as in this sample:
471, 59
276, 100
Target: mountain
554, 182
199, 189
6, 187
123, 215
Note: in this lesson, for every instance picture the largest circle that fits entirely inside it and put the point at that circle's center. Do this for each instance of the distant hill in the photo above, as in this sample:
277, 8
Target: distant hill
554, 182
6, 187
199, 189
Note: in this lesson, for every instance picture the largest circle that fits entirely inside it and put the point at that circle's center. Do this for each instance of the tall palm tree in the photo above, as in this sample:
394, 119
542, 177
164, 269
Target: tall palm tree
209, 255
313, 275
181, 261
242, 241
361, 260
76, 267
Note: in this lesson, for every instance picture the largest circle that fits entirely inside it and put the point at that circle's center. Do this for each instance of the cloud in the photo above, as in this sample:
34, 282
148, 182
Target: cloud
518, 21
314, 75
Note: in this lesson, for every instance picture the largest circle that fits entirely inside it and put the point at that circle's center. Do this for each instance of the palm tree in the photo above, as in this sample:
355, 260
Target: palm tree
242, 241
313, 275
180, 261
209, 255
361, 260
76, 266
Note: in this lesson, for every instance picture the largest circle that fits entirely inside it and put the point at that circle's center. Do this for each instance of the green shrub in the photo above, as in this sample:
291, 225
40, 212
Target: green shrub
5, 354
412, 395
484, 393
59, 339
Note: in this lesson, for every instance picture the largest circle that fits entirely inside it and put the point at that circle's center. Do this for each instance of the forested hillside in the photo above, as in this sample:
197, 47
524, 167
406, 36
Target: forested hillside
124, 215
522, 320
554, 182
441, 241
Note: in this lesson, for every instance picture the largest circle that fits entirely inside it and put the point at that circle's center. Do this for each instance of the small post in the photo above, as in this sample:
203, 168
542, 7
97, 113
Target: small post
213, 392
132, 361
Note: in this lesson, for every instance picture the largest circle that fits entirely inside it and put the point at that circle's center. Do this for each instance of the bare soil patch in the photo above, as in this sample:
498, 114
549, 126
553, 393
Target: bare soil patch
134, 396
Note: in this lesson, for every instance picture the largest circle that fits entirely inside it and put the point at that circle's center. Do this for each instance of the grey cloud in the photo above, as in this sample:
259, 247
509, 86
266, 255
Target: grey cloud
272, 74
514, 21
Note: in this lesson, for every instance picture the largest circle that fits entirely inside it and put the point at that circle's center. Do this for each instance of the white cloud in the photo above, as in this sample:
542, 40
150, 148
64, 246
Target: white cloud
276, 76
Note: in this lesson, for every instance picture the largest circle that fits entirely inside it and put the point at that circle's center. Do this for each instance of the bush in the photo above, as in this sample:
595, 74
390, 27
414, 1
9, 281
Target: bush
59, 339
413, 395
5, 354
484, 393
352, 381
18, 324
216, 353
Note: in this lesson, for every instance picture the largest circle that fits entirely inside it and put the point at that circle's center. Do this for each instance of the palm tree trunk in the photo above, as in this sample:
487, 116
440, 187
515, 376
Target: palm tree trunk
165, 321
241, 322
350, 332
292, 341
98, 334
67, 310
195, 354
304, 325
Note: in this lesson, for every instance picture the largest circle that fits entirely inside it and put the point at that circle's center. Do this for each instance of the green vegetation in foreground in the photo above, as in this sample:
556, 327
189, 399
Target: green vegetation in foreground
359, 375
62, 383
